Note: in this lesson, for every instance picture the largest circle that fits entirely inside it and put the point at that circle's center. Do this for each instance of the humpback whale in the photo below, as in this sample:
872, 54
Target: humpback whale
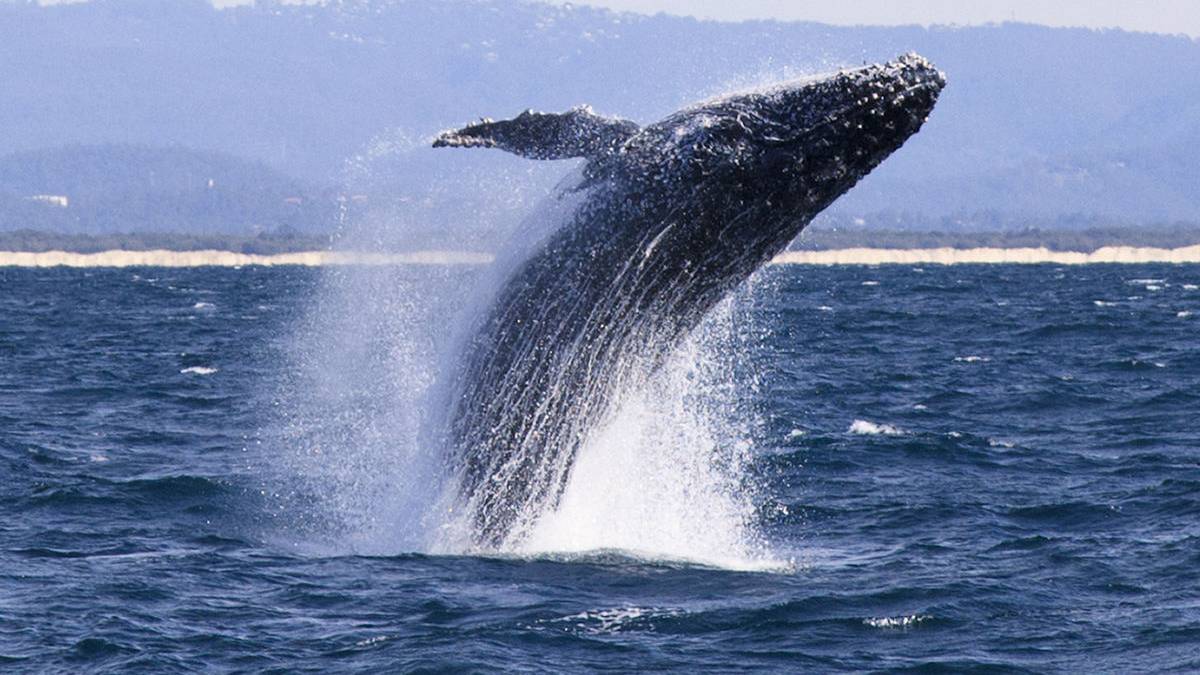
662, 222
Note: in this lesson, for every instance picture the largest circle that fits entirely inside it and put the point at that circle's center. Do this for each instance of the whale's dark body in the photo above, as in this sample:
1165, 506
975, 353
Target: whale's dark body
669, 218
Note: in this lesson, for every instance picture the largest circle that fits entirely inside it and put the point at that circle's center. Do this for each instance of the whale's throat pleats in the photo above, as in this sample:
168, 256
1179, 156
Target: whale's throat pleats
579, 132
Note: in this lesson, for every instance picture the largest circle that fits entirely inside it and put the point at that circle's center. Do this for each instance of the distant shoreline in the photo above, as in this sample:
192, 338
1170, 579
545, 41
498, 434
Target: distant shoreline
815, 238
847, 256
992, 256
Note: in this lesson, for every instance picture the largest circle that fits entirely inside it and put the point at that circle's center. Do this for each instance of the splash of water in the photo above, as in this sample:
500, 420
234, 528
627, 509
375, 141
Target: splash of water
364, 474
367, 359
662, 476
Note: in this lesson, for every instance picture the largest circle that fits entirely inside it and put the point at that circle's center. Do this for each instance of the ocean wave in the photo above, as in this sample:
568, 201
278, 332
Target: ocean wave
96, 492
198, 370
610, 621
632, 558
896, 621
1133, 364
865, 428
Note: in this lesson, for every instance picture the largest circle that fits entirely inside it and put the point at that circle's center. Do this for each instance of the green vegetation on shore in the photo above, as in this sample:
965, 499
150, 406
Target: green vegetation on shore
1084, 240
109, 188
816, 239
262, 244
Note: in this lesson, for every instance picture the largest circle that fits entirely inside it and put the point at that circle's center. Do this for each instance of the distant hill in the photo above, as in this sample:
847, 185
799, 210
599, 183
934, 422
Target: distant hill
98, 189
1040, 125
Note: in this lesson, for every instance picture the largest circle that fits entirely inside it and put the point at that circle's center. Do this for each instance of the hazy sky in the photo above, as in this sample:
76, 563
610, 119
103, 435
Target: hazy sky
1159, 16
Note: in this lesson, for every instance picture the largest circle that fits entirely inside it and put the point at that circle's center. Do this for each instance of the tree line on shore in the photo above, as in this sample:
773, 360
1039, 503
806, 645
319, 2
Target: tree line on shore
1055, 239
112, 188
815, 239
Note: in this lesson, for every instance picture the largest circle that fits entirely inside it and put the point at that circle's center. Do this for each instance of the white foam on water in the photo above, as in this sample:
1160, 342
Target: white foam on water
609, 620
1103, 303
1183, 315
378, 639
972, 359
204, 306
865, 428
198, 370
649, 489
663, 477
891, 622
1190, 287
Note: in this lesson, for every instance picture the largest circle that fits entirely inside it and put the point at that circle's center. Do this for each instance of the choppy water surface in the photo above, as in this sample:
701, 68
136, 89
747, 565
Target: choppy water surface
964, 468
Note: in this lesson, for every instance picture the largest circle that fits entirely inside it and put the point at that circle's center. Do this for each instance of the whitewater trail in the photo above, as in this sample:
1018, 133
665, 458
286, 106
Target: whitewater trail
663, 477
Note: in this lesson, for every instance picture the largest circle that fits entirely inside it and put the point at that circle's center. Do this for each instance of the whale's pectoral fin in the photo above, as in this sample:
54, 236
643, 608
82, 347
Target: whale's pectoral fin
579, 132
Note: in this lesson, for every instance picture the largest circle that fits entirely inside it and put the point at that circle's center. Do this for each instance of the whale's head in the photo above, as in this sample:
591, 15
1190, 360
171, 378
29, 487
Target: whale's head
808, 134
764, 162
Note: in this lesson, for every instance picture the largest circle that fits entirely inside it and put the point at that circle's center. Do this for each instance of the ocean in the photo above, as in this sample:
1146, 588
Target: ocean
959, 468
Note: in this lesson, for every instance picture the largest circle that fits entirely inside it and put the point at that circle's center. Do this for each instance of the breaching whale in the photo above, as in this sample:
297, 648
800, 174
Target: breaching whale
664, 221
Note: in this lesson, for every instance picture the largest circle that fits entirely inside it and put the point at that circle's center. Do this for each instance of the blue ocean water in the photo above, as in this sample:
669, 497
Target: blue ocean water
954, 469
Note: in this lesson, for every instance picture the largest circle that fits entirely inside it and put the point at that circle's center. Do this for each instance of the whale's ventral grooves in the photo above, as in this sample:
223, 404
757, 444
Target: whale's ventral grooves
672, 217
